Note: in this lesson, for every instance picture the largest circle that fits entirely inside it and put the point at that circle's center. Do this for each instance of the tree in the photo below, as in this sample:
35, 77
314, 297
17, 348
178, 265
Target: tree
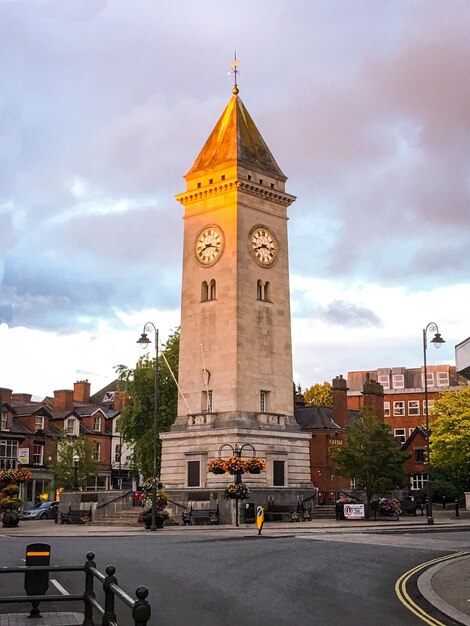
319, 395
64, 469
450, 436
370, 455
137, 418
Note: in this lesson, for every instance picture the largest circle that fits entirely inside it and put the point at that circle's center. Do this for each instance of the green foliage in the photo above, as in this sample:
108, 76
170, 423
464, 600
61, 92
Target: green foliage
450, 429
319, 395
137, 418
64, 470
370, 455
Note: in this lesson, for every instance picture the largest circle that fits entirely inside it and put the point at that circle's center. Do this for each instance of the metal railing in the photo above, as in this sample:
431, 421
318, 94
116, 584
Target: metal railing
140, 607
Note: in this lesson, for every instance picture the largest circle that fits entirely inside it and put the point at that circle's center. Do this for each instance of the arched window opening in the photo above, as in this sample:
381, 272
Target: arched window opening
204, 292
259, 290
213, 292
267, 291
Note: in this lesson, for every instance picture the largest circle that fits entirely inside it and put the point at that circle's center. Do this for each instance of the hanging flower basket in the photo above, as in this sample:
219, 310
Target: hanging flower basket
255, 465
237, 491
235, 465
217, 466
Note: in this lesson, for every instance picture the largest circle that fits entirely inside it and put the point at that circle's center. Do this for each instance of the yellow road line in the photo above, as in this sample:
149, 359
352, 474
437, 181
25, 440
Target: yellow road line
404, 597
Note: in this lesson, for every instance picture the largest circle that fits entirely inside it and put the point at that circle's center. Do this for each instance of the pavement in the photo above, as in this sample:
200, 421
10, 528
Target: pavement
444, 584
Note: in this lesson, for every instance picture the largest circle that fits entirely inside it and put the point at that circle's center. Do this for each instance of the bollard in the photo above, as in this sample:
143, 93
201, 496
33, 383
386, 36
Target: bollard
457, 514
37, 583
444, 503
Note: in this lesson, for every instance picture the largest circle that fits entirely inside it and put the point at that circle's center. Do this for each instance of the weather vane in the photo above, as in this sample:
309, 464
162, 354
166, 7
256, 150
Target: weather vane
235, 71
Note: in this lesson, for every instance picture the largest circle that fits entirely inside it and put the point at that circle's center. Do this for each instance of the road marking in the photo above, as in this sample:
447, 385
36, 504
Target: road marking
58, 586
404, 597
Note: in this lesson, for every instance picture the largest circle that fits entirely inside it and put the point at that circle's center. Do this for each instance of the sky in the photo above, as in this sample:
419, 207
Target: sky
104, 106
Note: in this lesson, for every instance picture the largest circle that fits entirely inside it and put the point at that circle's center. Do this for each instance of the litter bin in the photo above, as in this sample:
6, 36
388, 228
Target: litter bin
250, 516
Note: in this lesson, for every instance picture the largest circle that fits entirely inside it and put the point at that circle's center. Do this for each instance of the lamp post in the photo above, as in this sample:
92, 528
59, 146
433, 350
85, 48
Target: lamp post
76, 460
237, 452
144, 341
437, 340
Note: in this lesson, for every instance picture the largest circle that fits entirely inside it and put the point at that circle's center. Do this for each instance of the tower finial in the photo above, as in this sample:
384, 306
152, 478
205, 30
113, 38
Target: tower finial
235, 71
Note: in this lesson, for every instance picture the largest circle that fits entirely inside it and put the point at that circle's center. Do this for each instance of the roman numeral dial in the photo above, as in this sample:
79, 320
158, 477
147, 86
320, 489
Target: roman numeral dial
263, 245
209, 245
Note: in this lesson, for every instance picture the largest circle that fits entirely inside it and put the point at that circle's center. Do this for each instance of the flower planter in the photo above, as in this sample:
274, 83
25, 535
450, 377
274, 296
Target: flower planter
11, 519
256, 470
232, 496
159, 523
218, 470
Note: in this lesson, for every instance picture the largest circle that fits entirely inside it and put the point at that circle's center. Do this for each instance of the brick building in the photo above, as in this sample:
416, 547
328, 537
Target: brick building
404, 401
30, 431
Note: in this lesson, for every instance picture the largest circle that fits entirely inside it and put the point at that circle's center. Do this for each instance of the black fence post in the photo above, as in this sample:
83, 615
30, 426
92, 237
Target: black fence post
89, 589
457, 513
109, 614
141, 610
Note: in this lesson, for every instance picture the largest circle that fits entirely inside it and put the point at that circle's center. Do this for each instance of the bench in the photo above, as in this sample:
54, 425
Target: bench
204, 510
75, 516
280, 512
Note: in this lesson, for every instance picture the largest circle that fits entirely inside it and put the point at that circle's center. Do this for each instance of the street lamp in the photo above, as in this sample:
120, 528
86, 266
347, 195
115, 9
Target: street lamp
237, 452
76, 460
437, 340
144, 341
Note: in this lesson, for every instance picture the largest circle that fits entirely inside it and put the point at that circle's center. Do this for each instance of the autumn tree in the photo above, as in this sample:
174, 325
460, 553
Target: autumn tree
319, 395
371, 455
64, 468
136, 422
450, 437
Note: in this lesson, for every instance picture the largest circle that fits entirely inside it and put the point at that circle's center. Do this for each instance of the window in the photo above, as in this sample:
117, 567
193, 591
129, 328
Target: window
199, 185
399, 408
272, 185
259, 290
97, 423
352, 483
398, 381
384, 380
418, 481
263, 291
442, 379
267, 291
420, 455
249, 176
413, 407
222, 177
211, 180
260, 181
212, 291
263, 401
430, 406
71, 426
8, 449
117, 453
430, 379
204, 291
97, 451
38, 455
279, 470
194, 473
386, 409
39, 422
206, 401
4, 420
400, 434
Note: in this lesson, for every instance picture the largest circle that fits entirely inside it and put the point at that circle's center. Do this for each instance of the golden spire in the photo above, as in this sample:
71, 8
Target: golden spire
235, 71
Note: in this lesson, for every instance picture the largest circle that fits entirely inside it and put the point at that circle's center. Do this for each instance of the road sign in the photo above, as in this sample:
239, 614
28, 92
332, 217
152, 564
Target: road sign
259, 518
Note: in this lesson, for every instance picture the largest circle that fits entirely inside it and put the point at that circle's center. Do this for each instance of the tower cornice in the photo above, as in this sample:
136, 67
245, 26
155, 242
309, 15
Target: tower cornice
273, 195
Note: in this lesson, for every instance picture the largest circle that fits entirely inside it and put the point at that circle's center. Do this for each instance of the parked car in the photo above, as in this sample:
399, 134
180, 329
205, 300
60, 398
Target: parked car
42, 510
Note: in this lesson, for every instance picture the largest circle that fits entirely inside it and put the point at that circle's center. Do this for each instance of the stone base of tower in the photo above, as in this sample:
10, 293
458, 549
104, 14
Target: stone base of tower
289, 449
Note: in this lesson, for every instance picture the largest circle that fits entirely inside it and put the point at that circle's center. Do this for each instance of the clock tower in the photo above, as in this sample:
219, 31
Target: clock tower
235, 362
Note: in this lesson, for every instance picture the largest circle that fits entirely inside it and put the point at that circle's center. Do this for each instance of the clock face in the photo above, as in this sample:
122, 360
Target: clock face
263, 245
209, 245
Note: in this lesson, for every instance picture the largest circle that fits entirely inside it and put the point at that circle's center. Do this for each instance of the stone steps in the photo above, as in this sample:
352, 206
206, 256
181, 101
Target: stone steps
127, 517
324, 512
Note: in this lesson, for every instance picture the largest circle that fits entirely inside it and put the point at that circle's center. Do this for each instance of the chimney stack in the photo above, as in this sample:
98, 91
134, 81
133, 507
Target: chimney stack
5, 395
63, 400
81, 391
340, 401
373, 393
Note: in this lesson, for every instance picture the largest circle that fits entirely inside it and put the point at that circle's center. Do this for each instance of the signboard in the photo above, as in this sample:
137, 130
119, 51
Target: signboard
23, 456
259, 518
354, 511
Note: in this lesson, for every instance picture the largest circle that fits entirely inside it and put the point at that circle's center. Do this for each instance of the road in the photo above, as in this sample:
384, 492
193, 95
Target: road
235, 579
